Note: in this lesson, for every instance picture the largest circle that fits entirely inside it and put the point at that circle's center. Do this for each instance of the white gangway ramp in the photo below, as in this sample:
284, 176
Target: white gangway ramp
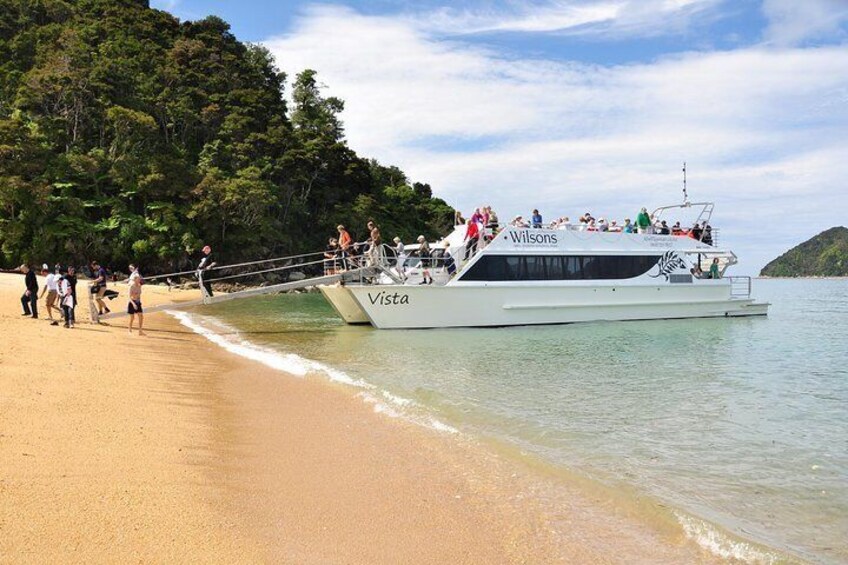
355, 273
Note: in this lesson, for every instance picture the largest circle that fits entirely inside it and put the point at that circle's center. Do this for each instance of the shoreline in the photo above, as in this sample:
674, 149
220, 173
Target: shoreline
557, 486
167, 446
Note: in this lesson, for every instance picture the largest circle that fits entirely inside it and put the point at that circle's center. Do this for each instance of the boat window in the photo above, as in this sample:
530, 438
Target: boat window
558, 267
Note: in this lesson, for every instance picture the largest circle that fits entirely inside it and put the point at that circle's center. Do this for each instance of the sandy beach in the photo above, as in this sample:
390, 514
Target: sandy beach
117, 448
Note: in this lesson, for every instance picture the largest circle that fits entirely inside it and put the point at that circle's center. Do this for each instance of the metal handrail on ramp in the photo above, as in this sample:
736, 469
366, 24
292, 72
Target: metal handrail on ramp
347, 276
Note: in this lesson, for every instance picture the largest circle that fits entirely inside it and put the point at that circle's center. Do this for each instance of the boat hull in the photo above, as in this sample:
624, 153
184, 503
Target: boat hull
344, 303
398, 306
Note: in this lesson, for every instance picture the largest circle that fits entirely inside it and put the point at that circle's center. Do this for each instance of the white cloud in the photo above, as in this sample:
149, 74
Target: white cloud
577, 17
791, 22
167, 5
762, 129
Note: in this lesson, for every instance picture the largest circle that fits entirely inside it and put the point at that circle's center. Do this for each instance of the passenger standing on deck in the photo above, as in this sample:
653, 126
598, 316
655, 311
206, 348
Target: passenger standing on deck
51, 288
134, 304
493, 222
472, 236
458, 220
708, 235
206, 263
424, 256
345, 242
484, 227
98, 287
643, 222
477, 216
375, 244
447, 259
29, 299
400, 253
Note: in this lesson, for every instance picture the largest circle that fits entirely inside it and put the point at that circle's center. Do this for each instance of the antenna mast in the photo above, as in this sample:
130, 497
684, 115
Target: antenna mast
685, 194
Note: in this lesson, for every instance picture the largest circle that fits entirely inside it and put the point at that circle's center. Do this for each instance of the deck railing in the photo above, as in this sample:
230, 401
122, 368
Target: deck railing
740, 287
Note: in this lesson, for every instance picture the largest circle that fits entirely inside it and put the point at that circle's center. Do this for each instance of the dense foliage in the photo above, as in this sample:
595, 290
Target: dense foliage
825, 255
128, 135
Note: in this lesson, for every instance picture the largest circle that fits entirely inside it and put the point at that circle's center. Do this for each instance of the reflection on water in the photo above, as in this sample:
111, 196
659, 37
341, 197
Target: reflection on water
741, 422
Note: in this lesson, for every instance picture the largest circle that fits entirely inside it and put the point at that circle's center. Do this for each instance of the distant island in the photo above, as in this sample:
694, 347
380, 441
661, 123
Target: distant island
825, 255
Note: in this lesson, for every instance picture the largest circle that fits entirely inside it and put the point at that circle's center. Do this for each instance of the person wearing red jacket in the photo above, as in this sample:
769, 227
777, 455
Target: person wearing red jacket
472, 237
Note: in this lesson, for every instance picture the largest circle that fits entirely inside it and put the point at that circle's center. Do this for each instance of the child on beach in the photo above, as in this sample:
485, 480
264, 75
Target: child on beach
134, 304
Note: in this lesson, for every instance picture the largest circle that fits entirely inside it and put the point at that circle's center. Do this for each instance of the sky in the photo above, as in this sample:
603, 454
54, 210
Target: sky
571, 106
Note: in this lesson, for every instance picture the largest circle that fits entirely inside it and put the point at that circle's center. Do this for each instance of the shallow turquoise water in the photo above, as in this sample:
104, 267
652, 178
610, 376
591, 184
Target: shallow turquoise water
743, 423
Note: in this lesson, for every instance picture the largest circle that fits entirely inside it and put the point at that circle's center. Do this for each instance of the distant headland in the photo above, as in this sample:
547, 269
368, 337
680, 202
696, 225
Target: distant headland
825, 255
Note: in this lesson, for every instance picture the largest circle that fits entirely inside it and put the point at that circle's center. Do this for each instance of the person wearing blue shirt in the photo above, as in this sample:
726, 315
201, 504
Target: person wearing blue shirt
536, 219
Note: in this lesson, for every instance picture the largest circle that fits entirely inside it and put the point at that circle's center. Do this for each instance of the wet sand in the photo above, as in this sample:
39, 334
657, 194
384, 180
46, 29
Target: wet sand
117, 447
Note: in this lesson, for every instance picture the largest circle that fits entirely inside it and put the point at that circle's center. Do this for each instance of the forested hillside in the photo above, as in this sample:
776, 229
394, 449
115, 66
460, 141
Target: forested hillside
126, 134
825, 255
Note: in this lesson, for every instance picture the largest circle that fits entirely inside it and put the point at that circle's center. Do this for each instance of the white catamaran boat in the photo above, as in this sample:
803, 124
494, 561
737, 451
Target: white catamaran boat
526, 276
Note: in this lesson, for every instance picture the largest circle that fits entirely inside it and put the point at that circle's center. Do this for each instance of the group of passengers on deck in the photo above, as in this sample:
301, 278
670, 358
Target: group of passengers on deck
644, 224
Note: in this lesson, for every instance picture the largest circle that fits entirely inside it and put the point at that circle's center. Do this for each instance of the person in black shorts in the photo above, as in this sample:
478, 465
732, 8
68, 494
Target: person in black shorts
134, 305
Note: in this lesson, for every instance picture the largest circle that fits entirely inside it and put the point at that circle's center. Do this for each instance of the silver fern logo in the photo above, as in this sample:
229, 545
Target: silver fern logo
668, 263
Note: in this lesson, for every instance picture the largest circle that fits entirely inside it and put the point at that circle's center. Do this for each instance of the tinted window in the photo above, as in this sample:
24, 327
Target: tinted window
558, 267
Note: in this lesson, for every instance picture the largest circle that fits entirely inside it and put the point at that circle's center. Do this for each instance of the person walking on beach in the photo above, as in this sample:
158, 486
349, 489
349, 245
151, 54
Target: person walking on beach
67, 300
51, 288
70, 277
206, 263
98, 287
29, 299
134, 304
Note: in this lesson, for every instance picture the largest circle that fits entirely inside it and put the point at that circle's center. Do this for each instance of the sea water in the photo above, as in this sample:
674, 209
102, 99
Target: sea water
739, 425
